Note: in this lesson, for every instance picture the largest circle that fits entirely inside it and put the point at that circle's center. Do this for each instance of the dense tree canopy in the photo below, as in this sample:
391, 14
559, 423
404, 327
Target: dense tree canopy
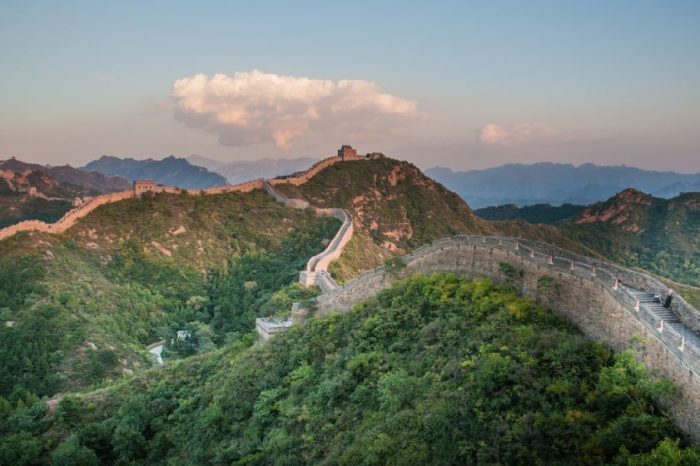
437, 370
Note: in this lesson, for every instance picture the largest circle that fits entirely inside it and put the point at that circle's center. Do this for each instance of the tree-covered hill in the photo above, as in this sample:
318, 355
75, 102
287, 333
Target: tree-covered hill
635, 229
79, 308
437, 370
536, 213
639, 230
392, 201
397, 208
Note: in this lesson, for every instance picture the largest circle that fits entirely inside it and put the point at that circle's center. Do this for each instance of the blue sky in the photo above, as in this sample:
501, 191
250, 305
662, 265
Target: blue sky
491, 82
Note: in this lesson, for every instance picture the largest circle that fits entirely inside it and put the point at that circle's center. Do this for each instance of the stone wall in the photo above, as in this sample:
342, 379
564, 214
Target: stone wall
316, 272
282, 199
69, 219
305, 176
585, 294
240, 188
71, 216
320, 262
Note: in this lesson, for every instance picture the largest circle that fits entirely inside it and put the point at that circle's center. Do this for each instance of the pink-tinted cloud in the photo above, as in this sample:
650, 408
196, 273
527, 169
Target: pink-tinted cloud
515, 134
253, 107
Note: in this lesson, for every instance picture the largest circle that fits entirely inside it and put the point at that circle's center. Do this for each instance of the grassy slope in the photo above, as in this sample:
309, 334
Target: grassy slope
438, 370
106, 291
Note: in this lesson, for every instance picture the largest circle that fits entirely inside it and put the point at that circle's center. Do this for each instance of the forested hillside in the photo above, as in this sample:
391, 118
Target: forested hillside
635, 229
438, 370
79, 308
397, 208
536, 213
639, 230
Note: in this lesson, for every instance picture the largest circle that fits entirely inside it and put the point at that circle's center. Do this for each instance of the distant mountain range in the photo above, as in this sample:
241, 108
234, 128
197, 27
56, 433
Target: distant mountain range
536, 213
245, 170
32, 191
556, 184
75, 180
171, 171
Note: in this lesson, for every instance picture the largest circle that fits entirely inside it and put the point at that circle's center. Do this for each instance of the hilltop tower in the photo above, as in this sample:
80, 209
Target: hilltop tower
348, 153
143, 186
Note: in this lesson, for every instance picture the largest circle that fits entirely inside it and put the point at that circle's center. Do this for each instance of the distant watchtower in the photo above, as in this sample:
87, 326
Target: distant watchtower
143, 186
347, 153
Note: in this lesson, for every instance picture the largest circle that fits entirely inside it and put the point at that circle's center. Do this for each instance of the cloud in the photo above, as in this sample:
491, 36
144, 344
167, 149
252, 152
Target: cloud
254, 107
515, 134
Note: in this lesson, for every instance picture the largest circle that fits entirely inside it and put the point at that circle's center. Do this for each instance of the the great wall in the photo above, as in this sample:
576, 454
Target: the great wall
609, 303
141, 187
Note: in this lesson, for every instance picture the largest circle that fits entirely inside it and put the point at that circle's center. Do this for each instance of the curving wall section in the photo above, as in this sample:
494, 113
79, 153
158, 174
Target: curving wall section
73, 215
68, 220
305, 176
599, 297
316, 272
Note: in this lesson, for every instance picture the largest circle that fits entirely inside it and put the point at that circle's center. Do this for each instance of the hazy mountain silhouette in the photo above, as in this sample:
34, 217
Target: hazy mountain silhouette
171, 171
555, 183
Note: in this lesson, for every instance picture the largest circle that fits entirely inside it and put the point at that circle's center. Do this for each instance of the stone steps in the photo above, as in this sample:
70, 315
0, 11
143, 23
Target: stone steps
653, 303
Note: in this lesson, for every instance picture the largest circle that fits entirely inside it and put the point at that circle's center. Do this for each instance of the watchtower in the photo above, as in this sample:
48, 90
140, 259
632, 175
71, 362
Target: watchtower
143, 186
347, 153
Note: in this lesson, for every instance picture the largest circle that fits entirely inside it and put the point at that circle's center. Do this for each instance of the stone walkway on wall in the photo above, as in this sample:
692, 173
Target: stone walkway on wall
607, 302
634, 290
316, 271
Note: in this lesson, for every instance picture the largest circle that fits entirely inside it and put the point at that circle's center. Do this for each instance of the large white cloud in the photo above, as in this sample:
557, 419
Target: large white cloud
518, 133
252, 107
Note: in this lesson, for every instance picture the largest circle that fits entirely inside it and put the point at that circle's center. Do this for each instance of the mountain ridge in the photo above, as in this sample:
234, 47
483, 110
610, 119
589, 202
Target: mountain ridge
555, 183
36, 192
170, 171
244, 170
85, 182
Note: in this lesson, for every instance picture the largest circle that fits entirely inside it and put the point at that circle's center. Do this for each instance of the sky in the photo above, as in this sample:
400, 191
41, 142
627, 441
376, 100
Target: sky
463, 84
